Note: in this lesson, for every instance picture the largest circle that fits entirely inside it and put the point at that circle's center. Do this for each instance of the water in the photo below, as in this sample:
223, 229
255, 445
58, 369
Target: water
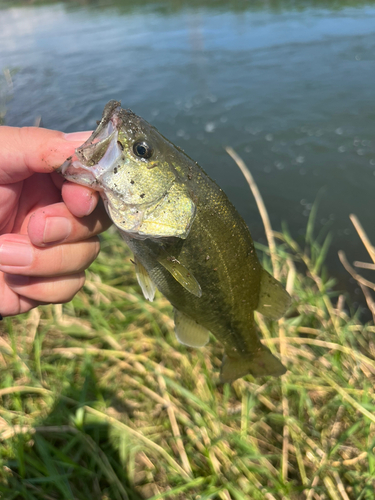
289, 85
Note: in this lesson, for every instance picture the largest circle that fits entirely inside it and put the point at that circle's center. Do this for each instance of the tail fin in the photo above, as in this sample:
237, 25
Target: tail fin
261, 363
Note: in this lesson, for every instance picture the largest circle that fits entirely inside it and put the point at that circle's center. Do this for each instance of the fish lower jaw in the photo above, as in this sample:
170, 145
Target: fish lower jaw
79, 174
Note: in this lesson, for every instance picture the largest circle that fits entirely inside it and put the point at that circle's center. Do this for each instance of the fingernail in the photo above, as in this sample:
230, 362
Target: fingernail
16, 279
92, 205
56, 229
15, 254
77, 136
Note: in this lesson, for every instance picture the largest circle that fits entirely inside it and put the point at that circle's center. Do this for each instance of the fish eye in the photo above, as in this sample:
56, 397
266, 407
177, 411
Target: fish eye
142, 149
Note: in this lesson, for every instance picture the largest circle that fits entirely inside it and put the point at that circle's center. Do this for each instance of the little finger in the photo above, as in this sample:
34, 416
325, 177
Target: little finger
19, 256
52, 290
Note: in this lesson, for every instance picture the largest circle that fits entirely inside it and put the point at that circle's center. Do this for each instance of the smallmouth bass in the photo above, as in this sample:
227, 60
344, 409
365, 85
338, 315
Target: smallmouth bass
187, 238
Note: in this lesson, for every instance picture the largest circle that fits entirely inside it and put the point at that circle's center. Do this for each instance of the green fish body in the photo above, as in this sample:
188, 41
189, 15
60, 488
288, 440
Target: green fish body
187, 238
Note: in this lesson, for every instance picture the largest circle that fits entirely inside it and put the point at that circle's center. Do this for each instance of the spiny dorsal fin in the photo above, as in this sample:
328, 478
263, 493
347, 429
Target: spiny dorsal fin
144, 280
274, 300
188, 331
180, 273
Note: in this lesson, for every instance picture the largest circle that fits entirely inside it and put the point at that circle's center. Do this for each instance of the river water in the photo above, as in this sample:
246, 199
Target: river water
289, 85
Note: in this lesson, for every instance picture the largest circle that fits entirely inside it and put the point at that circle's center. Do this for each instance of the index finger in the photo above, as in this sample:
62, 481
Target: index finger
26, 150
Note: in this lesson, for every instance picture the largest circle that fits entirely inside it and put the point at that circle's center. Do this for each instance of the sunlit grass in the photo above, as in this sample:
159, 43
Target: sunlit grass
100, 401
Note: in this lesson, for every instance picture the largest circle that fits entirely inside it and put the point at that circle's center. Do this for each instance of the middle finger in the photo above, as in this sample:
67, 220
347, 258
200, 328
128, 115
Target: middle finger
56, 224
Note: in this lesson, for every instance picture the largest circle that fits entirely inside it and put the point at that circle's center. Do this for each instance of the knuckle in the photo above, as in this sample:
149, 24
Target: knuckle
76, 285
62, 260
88, 252
96, 247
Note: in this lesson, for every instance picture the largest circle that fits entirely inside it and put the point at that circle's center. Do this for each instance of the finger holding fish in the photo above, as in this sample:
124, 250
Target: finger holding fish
55, 224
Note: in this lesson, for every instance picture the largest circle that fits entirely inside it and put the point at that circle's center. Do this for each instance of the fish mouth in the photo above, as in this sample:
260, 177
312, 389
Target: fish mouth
93, 150
91, 160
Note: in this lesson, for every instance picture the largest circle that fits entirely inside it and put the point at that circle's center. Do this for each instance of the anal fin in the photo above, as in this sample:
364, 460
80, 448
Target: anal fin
274, 300
188, 331
144, 280
258, 364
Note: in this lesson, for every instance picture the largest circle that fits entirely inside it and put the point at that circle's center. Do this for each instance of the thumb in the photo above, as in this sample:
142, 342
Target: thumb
24, 151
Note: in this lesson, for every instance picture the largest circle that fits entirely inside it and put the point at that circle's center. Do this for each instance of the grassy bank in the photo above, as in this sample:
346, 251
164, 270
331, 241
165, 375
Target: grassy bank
99, 401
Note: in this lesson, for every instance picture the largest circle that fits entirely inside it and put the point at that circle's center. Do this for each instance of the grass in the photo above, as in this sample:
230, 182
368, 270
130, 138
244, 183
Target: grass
99, 401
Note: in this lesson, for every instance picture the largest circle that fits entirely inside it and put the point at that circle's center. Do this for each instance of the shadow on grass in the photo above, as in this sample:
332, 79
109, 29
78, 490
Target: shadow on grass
67, 456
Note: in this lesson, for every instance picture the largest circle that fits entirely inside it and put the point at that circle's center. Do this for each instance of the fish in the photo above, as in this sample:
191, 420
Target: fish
188, 240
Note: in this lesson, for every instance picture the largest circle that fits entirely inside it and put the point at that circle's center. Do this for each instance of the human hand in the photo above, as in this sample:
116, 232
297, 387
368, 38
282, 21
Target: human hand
48, 227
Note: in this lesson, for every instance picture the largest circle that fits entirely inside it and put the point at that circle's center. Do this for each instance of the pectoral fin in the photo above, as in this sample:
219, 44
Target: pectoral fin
188, 331
144, 280
258, 364
274, 300
180, 274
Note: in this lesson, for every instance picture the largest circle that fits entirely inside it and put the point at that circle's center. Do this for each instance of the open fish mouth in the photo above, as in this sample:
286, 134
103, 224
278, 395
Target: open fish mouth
93, 158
